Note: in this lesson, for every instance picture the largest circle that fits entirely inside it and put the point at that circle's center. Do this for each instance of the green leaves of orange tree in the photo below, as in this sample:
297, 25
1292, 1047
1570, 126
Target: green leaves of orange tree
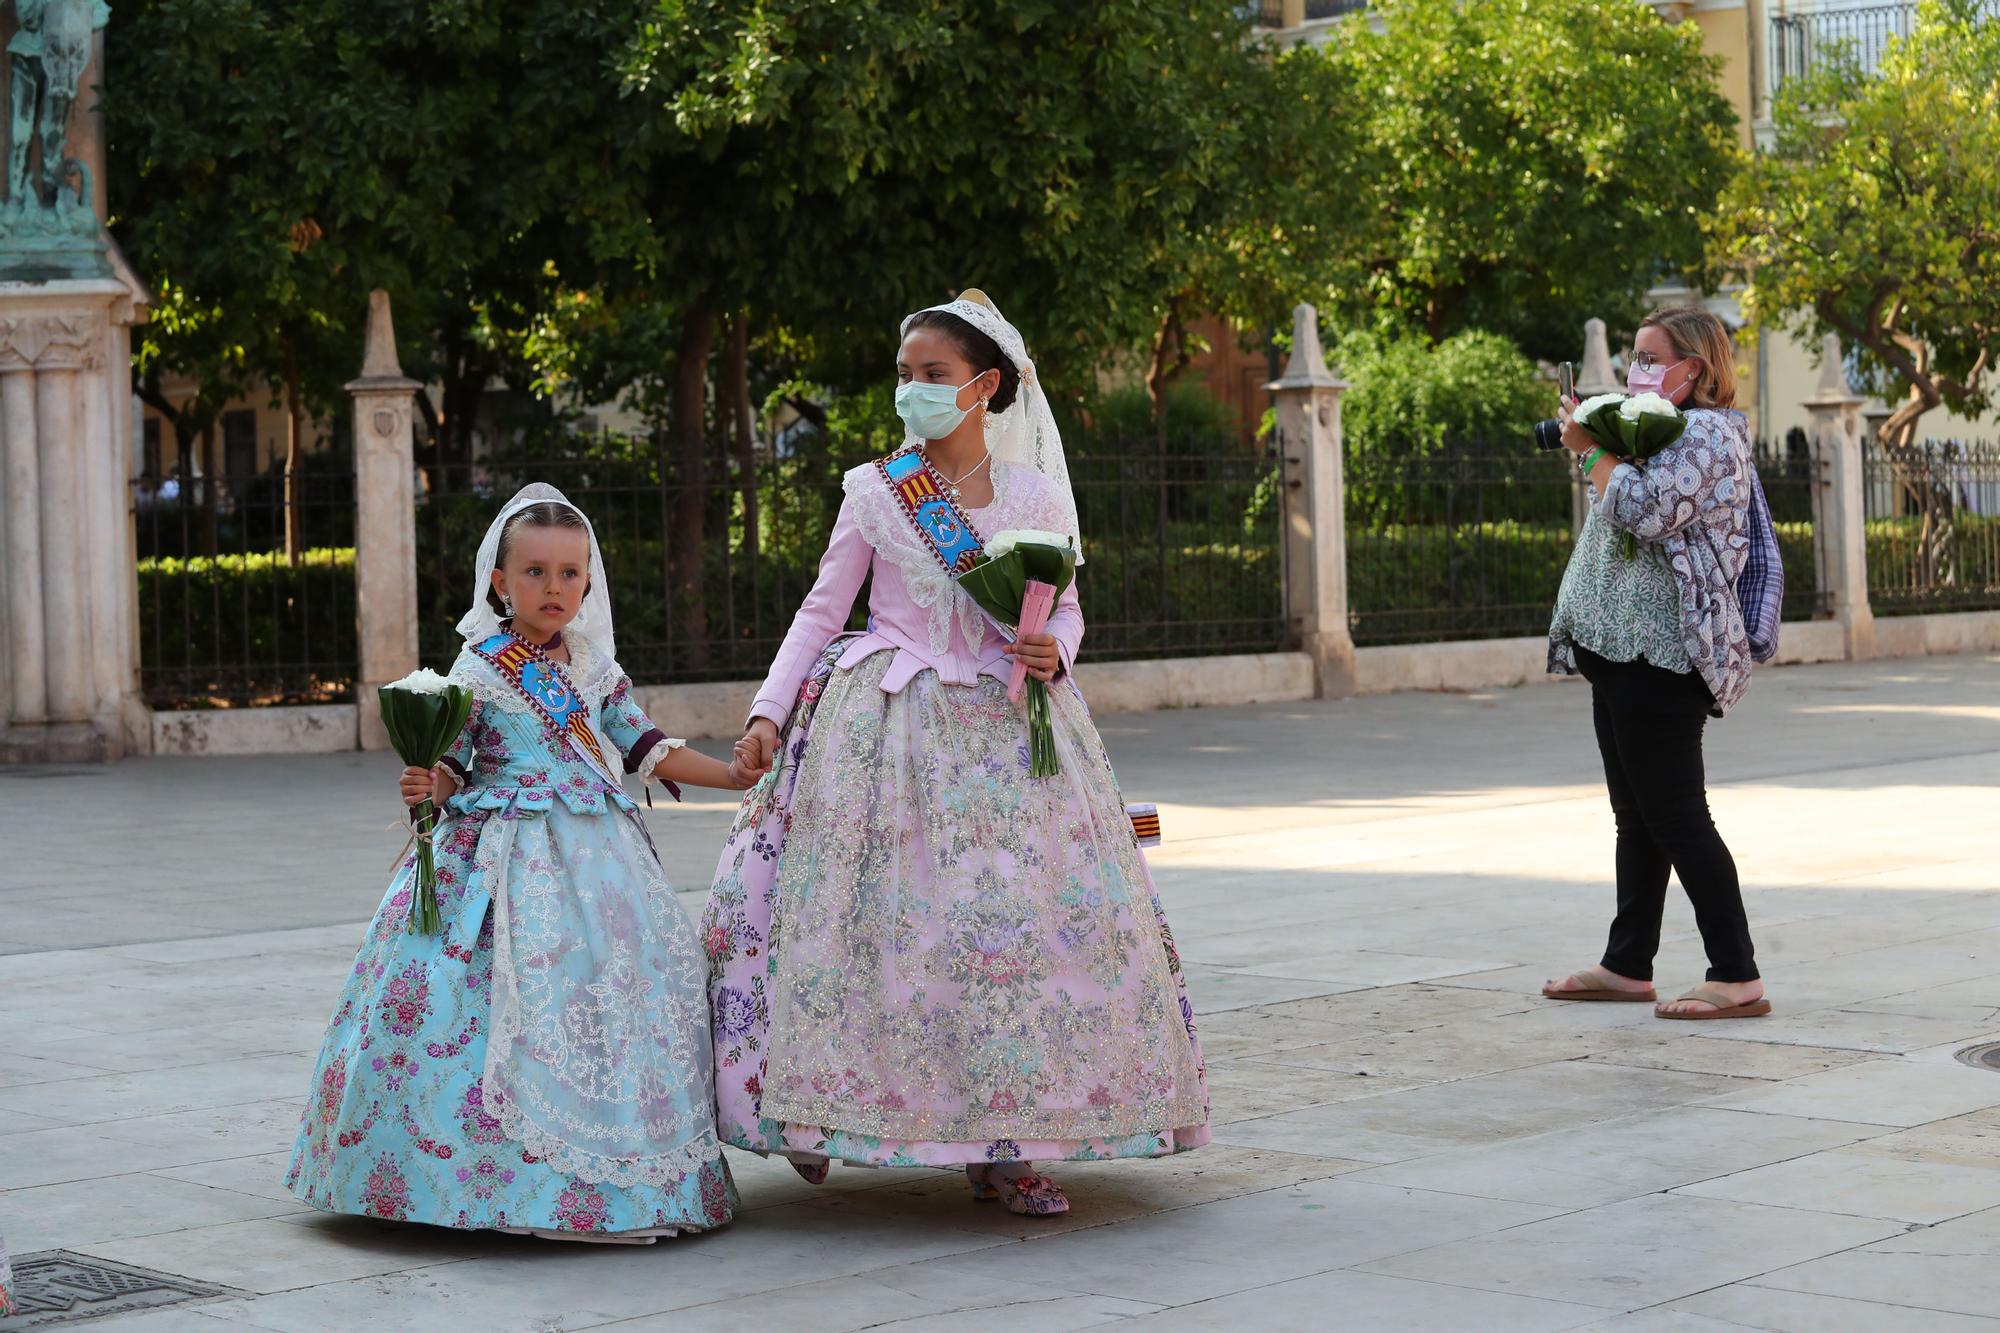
1524, 162
1876, 213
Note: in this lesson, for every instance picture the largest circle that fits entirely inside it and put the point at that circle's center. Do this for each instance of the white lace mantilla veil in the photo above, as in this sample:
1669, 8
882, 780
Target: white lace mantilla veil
1025, 434
594, 664
600, 1004
1022, 440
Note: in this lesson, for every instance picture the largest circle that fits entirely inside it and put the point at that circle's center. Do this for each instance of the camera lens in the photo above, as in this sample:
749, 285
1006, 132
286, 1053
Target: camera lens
1549, 434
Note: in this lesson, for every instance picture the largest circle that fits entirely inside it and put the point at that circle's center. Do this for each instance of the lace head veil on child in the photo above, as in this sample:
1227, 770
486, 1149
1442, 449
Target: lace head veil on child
593, 620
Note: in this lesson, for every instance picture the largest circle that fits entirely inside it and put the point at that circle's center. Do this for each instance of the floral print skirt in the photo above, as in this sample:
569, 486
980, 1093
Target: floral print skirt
921, 956
398, 1122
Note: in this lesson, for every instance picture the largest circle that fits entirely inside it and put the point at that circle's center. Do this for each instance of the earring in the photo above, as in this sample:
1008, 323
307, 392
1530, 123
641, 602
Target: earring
507, 605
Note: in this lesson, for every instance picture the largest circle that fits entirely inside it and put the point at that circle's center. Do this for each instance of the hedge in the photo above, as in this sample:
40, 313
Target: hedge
237, 629
250, 628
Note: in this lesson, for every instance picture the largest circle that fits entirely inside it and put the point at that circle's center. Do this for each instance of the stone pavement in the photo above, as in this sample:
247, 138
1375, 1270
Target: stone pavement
1368, 894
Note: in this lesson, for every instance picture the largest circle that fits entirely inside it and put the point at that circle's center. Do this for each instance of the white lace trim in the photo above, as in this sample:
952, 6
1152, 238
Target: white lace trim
887, 529
1018, 502
601, 1041
594, 1169
657, 756
595, 675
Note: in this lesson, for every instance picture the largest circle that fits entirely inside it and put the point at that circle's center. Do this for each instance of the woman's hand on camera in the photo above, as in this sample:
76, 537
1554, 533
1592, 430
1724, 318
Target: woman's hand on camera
1574, 437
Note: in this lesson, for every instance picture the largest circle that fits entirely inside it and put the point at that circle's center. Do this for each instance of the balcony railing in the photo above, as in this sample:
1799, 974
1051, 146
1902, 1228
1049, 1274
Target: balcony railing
1803, 42
1272, 13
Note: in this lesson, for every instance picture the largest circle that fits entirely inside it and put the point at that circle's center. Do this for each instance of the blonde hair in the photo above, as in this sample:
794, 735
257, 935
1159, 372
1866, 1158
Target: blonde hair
1695, 332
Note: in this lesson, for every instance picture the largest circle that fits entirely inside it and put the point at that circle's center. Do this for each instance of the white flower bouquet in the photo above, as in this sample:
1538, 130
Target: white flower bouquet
423, 714
1633, 426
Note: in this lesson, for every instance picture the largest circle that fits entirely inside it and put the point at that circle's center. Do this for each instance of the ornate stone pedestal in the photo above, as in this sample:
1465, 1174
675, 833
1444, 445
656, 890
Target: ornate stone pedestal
68, 665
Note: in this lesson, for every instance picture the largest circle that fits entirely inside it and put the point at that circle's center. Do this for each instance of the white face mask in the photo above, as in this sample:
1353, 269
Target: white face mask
931, 411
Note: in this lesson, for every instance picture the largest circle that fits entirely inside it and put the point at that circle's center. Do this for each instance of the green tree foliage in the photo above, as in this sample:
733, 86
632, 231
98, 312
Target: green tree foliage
1522, 161
272, 160
1876, 215
1412, 402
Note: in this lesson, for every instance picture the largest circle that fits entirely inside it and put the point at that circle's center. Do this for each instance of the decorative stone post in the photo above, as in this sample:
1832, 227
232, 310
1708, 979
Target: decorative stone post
1840, 510
1315, 509
1594, 375
385, 521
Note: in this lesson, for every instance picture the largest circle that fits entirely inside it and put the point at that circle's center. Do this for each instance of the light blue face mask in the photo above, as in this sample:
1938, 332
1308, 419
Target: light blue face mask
931, 411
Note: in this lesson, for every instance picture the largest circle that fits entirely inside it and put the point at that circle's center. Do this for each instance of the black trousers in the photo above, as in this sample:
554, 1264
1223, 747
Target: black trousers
1649, 725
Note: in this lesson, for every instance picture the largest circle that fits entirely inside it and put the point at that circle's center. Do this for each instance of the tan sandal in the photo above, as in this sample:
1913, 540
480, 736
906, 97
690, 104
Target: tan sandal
1722, 1006
1599, 991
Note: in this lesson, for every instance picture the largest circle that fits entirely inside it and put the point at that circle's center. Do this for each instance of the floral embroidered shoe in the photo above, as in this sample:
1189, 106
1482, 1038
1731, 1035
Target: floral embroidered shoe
1026, 1196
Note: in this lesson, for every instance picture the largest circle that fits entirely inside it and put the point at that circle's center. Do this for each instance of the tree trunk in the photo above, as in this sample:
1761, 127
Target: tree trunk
736, 375
294, 538
209, 506
1169, 358
687, 544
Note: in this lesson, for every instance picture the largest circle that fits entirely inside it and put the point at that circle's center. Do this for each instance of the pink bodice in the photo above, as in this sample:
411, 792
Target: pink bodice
896, 622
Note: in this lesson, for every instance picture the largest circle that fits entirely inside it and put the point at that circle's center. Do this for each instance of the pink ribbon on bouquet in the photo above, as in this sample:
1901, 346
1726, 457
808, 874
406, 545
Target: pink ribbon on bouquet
1038, 602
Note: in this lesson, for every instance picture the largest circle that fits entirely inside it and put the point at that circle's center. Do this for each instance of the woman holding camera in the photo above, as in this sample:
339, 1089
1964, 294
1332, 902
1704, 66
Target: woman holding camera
1648, 613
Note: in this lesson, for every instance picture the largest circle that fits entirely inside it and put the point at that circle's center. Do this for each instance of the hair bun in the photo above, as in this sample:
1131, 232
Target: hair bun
977, 297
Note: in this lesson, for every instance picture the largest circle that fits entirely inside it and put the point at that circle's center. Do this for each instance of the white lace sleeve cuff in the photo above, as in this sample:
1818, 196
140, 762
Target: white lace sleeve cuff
657, 756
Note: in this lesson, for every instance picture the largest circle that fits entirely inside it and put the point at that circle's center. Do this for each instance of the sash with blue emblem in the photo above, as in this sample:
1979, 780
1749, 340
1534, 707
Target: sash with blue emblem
540, 680
932, 512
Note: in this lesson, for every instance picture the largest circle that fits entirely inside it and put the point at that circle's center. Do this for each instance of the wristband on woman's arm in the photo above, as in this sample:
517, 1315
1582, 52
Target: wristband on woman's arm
1590, 459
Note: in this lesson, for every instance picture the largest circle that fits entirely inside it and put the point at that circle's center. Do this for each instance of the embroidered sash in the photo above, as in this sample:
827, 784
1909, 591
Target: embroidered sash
932, 512
548, 691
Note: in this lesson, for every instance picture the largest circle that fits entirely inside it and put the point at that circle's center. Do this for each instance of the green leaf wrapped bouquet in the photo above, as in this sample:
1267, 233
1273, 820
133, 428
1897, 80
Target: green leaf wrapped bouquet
1017, 583
1633, 428
423, 714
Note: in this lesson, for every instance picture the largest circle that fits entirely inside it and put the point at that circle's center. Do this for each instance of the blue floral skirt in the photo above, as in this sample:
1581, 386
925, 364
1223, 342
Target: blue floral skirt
398, 1123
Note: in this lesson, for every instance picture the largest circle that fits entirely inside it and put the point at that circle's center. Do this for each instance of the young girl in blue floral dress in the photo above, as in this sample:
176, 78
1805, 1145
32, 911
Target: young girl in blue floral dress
543, 1065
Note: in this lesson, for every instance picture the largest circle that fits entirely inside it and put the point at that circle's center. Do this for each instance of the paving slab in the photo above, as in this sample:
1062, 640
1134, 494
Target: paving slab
1368, 894
1640, 1252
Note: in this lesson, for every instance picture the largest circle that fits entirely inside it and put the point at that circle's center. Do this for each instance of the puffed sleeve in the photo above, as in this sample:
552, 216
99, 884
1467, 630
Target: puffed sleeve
643, 745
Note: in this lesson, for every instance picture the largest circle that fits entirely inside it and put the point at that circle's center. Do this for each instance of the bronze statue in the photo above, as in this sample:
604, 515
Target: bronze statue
48, 56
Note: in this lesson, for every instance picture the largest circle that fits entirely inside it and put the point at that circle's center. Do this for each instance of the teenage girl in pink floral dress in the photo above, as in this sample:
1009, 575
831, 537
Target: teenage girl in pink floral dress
922, 956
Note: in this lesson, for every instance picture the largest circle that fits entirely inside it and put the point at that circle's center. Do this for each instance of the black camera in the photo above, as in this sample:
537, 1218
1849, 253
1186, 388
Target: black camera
1549, 434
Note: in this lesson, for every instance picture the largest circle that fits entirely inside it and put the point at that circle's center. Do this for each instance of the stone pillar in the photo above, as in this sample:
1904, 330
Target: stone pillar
385, 520
1594, 376
1840, 510
71, 688
1315, 509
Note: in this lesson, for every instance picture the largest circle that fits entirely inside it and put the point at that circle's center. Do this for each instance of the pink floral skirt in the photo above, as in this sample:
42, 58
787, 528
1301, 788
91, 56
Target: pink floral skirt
921, 956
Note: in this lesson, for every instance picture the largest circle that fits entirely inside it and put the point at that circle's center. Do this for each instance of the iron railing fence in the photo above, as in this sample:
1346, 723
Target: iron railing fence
226, 617
1182, 550
1794, 473
1467, 543
1472, 542
1271, 13
1933, 512
1802, 41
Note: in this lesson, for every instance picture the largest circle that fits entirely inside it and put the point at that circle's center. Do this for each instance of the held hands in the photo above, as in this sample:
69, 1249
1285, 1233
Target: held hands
1038, 653
427, 784
757, 750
